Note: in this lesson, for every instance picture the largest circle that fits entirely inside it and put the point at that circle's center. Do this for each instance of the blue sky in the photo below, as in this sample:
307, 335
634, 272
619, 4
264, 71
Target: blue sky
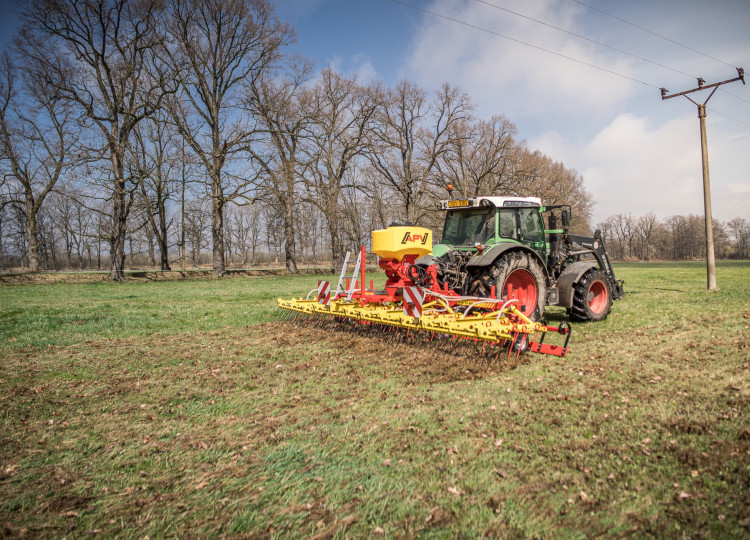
637, 153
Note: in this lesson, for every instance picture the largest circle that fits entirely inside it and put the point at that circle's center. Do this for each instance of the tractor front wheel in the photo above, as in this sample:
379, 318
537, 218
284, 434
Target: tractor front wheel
592, 298
515, 275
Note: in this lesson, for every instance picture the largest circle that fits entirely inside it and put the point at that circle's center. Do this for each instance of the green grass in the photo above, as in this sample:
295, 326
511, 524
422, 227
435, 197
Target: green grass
64, 313
176, 409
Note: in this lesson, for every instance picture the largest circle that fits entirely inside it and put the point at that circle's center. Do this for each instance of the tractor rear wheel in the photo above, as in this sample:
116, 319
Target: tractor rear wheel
518, 275
592, 298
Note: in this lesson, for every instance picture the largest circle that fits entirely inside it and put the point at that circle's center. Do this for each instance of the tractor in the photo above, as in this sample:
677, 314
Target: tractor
500, 246
484, 287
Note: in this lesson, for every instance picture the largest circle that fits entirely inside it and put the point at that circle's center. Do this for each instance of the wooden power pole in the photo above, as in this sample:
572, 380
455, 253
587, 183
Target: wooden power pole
710, 257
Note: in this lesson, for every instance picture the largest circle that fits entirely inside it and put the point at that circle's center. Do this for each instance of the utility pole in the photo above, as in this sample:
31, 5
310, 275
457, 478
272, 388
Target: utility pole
710, 257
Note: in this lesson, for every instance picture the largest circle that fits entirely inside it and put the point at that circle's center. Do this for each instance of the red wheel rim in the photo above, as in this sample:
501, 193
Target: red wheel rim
597, 297
522, 286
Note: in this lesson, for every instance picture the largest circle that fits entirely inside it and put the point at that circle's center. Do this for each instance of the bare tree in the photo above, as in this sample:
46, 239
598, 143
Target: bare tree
480, 159
157, 158
338, 129
686, 237
739, 228
410, 134
36, 142
219, 45
99, 56
246, 227
197, 220
76, 225
281, 109
644, 228
274, 231
536, 174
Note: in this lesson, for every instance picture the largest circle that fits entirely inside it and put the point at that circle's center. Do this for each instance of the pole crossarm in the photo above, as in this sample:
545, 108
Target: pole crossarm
703, 86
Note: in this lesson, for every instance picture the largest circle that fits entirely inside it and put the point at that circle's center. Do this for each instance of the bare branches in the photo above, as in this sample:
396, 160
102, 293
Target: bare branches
215, 48
409, 137
337, 133
97, 55
281, 108
36, 142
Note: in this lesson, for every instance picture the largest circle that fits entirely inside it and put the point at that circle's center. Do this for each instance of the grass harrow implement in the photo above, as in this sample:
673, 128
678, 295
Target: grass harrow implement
407, 311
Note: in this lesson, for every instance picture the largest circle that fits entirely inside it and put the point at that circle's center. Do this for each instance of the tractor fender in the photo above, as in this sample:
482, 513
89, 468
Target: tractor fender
569, 278
490, 256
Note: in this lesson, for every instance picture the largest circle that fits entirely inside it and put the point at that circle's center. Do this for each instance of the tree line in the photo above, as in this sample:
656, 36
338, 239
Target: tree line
674, 238
159, 131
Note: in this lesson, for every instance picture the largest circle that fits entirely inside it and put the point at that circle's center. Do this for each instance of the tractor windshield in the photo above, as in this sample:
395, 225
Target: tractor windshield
469, 227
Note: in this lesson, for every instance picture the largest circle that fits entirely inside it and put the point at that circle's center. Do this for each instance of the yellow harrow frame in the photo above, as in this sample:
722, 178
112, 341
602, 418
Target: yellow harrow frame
506, 329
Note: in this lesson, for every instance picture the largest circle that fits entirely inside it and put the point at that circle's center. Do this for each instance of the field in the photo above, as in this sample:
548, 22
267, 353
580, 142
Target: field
179, 408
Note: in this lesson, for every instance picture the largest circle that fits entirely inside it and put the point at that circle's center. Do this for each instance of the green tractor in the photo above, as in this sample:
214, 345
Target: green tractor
500, 247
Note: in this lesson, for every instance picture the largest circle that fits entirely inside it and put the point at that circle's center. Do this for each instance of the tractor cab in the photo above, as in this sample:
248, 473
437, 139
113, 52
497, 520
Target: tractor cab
488, 221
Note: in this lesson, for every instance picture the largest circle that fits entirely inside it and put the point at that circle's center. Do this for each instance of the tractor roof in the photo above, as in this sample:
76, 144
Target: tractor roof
491, 201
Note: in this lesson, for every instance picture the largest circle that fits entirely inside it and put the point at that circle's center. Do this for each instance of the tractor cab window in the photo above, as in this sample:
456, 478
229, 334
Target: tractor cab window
530, 225
522, 224
508, 225
469, 227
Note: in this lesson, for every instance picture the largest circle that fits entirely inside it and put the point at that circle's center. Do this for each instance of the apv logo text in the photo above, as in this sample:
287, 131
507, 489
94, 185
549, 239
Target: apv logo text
409, 237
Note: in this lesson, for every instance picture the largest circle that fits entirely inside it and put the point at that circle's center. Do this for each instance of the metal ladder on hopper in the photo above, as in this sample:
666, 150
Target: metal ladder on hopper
343, 277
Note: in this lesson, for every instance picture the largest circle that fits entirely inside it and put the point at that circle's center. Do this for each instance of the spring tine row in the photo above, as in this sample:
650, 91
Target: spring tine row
449, 337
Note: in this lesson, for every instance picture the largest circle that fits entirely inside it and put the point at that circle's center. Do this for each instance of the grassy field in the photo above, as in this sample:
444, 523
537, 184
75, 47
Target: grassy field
178, 408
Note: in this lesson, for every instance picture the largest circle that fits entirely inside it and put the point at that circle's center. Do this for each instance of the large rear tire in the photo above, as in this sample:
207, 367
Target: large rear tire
518, 275
592, 298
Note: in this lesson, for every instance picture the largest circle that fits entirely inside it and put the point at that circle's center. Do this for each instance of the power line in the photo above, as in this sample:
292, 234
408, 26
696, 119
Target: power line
727, 116
578, 61
652, 33
733, 95
586, 38
621, 51
572, 59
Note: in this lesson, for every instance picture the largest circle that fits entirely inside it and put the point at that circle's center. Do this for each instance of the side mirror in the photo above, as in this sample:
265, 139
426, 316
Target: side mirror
566, 218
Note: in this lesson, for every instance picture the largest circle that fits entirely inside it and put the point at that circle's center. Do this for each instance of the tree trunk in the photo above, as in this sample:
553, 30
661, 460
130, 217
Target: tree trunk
31, 235
164, 254
161, 238
1, 241
217, 225
119, 229
290, 247
337, 251
151, 251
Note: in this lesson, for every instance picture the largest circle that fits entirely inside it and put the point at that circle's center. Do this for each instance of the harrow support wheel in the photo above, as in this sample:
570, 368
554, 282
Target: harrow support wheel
592, 298
516, 275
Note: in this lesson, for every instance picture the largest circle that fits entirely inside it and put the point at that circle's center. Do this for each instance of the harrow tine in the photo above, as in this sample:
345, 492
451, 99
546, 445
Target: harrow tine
487, 356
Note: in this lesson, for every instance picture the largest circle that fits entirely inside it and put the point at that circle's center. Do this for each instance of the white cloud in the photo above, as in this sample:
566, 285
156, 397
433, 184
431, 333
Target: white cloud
739, 188
633, 167
364, 69
358, 64
505, 76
